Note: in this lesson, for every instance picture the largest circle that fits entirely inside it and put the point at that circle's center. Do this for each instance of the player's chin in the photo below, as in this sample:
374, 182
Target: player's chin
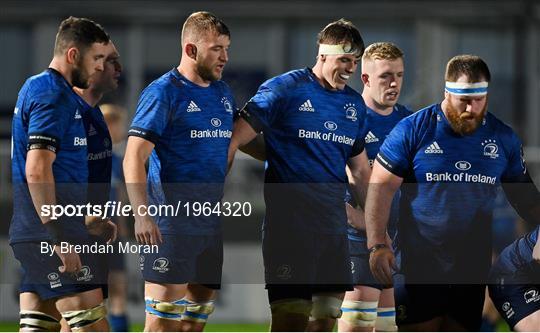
217, 74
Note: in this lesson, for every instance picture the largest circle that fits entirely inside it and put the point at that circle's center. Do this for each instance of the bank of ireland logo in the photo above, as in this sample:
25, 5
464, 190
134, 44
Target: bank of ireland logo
463, 165
141, 262
508, 311
215, 122
54, 280
506, 306
490, 148
161, 265
350, 111
227, 104
330, 125
84, 274
284, 272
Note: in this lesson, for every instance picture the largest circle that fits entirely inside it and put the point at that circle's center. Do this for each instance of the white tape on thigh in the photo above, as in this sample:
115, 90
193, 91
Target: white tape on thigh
197, 312
36, 321
358, 313
81, 318
325, 307
386, 320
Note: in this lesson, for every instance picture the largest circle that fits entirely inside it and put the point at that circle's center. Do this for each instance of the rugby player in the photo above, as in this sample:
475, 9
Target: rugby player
451, 157
514, 282
183, 123
100, 156
371, 305
313, 127
49, 168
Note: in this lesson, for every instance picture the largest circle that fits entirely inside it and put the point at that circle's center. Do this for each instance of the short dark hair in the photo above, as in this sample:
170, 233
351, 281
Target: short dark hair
199, 23
78, 32
470, 65
342, 31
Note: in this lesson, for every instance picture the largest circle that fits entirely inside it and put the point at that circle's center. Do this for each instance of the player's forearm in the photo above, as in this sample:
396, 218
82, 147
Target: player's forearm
359, 183
378, 204
255, 148
40, 179
135, 176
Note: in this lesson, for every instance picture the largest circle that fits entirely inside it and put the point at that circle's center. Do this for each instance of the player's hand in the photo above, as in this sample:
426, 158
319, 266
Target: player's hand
147, 232
71, 262
104, 228
381, 263
355, 218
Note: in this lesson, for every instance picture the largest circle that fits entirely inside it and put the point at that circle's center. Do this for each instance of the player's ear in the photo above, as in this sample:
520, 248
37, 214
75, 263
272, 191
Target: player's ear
191, 50
365, 79
323, 57
72, 55
446, 95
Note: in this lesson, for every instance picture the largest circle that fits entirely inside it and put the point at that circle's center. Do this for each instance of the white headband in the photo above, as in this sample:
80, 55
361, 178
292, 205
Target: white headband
339, 49
466, 88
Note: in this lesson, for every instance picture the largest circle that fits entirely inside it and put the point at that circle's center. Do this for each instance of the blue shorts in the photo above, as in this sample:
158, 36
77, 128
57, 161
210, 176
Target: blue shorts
40, 273
360, 265
515, 294
299, 264
185, 259
417, 303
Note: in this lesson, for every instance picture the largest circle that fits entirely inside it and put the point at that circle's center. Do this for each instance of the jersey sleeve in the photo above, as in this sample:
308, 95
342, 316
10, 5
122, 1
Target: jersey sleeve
395, 154
516, 169
47, 121
152, 114
260, 111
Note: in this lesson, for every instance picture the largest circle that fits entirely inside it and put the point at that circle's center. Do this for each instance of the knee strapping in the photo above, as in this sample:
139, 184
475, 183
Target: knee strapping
166, 310
291, 306
358, 313
78, 319
196, 311
36, 321
326, 307
386, 320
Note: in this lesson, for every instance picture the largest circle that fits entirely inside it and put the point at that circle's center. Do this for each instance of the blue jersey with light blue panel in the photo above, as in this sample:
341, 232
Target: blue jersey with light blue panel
191, 127
310, 133
378, 127
450, 183
48, 115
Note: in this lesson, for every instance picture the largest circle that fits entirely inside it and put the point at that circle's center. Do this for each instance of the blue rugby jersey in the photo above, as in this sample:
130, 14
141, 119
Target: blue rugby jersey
310, 133
191, 127
48, 113
518, 255
378, 127
99, 156
450, 182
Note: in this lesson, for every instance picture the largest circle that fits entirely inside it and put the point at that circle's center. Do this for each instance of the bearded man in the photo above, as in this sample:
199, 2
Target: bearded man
450, 157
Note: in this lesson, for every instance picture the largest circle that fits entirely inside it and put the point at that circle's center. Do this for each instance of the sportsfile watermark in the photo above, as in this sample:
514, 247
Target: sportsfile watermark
119, 209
